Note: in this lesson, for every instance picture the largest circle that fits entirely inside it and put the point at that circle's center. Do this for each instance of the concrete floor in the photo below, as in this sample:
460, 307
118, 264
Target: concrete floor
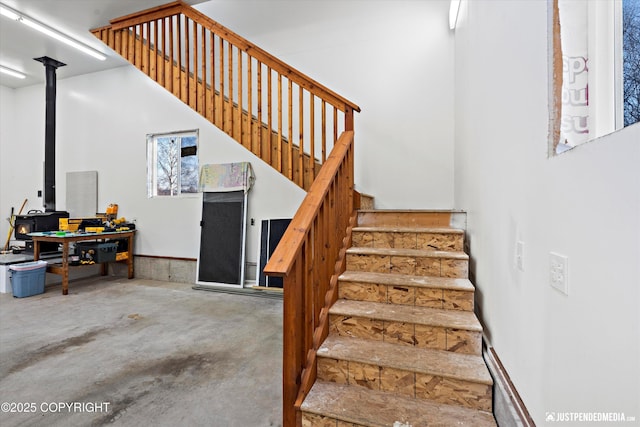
156, 353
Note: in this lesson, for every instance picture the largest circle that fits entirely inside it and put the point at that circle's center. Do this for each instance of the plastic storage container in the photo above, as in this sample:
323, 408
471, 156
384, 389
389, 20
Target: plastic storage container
28, 278
96, 252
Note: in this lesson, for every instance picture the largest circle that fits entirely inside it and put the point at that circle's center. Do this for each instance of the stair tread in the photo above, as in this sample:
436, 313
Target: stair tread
455, 319
424, 253
372, 408
433, 282
466, 367
410, 211
405, 229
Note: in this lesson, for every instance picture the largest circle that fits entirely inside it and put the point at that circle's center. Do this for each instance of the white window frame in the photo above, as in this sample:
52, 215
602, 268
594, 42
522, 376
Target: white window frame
605, 72
152, 162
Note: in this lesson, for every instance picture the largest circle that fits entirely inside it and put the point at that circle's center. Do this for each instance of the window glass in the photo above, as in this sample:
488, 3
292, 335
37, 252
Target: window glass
172, 163
631, 60
189, 165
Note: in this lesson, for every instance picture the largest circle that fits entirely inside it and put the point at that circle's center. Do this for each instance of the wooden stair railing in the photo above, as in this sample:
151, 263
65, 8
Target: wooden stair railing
284, 117
288, 120
310, 257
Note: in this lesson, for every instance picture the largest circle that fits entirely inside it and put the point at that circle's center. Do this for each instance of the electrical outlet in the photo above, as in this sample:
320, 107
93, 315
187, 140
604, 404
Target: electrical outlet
559, 272
520, 255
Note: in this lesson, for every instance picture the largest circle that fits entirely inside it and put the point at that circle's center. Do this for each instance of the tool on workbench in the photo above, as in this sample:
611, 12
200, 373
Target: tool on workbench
12, 222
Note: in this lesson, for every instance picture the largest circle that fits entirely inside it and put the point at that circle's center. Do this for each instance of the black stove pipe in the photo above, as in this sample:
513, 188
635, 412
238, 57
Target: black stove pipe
50, 132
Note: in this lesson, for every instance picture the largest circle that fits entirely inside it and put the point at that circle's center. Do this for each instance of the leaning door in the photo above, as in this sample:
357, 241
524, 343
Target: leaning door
221, 258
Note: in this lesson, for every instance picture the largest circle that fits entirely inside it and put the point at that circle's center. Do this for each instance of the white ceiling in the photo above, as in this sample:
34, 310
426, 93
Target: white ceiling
19, 44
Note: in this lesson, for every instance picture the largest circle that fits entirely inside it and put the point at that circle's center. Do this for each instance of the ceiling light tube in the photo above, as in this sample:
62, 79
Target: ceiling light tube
12, 73
5, 11
454, 9
12, 14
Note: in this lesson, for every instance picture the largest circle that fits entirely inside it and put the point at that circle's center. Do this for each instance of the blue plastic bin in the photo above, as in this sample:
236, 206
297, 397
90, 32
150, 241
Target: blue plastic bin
28, 278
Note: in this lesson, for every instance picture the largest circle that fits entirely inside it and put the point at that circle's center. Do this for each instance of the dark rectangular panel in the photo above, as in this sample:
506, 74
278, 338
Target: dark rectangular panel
221, 238
272, 231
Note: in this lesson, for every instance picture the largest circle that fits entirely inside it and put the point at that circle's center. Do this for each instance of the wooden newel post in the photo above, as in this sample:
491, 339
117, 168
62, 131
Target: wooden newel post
348, 118
293, 357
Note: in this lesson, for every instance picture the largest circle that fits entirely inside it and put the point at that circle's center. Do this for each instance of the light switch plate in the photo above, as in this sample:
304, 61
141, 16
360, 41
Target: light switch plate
520, 255
559, 272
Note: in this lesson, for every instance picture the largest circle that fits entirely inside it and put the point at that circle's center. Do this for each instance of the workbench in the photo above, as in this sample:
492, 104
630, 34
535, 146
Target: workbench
66, 238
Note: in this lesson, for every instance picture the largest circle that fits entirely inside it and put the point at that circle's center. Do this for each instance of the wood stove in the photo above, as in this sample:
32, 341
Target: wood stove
37, 221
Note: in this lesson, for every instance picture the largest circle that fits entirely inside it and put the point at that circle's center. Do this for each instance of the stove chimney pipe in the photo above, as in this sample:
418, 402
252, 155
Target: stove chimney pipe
50, 132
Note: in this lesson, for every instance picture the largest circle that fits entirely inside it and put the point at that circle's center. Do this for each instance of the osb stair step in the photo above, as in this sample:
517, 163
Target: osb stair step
331, 404
417, 262
411, 218
430, 238
441, 376
424, 291
424, 327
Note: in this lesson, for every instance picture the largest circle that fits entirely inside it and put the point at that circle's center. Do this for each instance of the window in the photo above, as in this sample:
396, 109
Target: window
594, 69
631, 61
172, 163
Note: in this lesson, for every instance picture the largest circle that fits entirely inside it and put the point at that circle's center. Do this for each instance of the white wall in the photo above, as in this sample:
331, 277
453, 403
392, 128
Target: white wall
394, 58
564, 353
21, 154
102, 122
6, 135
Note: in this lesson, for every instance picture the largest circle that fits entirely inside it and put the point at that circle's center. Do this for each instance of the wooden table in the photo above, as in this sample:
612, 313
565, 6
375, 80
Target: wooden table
63, 269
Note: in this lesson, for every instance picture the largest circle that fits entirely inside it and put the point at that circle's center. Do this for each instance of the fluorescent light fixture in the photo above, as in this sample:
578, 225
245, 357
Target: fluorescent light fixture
12, 73
9, 13
30, 22
453, 13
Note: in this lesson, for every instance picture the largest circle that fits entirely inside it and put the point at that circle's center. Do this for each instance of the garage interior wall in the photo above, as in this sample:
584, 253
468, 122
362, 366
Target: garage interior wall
575, 353
102, 122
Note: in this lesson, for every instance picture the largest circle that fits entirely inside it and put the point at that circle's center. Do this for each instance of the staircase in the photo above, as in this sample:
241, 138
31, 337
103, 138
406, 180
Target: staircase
404, 345
381, 333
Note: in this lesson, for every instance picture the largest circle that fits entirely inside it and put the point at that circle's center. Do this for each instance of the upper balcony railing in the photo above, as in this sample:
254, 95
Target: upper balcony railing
283, 116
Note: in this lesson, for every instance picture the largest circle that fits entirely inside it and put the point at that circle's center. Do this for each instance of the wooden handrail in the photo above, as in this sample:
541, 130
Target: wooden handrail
179, 7
282, 259
229, 81
310, 257
136, 18
276, 64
